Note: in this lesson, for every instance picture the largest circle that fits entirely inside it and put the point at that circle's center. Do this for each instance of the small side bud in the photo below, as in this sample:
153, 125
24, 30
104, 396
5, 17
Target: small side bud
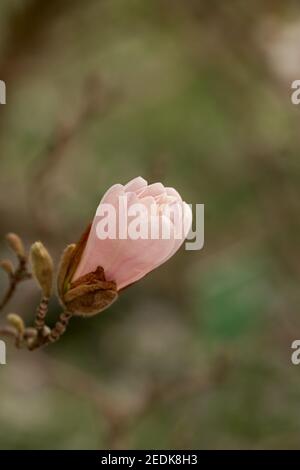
16, 245
7, 266
46, 331
42, 267
17, 322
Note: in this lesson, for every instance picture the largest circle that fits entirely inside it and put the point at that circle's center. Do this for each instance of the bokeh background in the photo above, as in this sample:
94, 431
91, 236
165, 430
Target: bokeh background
195, 94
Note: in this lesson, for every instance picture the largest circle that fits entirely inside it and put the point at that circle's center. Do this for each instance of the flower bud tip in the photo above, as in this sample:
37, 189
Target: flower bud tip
7, 266
42, 267
17, 322
16, 245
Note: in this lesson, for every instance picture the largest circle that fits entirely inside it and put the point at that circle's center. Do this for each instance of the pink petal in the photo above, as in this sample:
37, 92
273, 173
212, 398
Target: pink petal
110, 197
155, 189
141, 257
174, 193
136, 184
126, 261
187, 223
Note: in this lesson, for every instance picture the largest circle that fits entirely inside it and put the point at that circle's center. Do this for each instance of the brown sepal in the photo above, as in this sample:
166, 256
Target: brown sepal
89, 294
63, 269
90, 300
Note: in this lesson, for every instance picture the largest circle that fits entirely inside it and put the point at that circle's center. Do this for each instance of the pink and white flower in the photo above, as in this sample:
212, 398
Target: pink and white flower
163, 221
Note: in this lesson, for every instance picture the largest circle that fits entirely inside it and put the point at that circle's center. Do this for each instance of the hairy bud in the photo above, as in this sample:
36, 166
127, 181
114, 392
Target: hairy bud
42, 267
7, 266
17, 322
16, 245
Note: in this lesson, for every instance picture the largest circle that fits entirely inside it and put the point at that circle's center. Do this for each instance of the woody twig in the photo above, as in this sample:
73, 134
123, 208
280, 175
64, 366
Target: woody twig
40, 334
97, 100
86, 296
15, 275
42, 272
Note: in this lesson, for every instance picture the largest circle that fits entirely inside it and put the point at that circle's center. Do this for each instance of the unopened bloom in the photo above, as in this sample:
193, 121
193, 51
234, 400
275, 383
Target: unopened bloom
137, 227
127, 260
42, 267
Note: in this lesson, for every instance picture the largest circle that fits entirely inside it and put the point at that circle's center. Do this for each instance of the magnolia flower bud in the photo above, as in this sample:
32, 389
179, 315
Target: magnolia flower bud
93, 271
164, 220
42, 267
16, 245
7, 266
17, 322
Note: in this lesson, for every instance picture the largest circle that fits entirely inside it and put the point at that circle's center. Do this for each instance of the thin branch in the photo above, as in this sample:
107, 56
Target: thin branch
96, 99
119, 422
21, 274
41, 312
46, 335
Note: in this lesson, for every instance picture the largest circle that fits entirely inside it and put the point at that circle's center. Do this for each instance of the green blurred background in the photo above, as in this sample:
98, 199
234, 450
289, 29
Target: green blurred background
195, 94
